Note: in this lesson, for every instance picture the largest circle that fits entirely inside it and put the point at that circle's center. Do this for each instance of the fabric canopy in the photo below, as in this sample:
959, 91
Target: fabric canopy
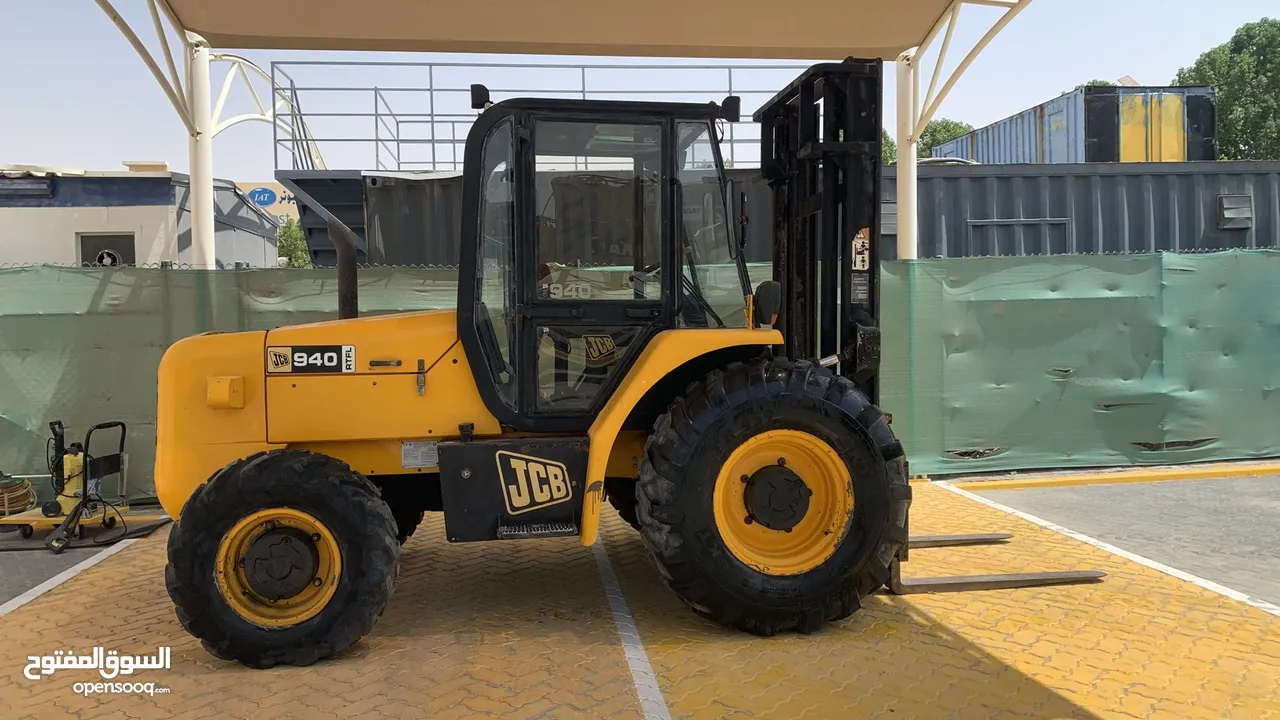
814, 30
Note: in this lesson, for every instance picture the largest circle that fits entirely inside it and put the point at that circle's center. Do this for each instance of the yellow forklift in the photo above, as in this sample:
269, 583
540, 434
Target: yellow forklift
607, 344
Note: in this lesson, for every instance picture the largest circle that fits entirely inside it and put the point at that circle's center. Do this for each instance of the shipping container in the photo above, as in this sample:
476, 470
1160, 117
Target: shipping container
1067, 209
1100, 124
965, 210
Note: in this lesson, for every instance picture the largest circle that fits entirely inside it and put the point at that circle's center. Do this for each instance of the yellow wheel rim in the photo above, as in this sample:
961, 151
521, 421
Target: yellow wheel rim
817, 533
307, 545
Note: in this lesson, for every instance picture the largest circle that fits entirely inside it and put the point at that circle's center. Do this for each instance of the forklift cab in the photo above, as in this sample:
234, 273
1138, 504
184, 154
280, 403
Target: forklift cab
588, 228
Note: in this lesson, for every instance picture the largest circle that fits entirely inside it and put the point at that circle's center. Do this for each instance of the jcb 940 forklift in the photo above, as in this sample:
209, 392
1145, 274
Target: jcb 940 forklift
607, 343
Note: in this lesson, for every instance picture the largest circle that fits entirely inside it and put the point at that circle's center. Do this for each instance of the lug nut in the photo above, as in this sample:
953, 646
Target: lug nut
750, 519
317, 582
315, 537
746, 479
782, 462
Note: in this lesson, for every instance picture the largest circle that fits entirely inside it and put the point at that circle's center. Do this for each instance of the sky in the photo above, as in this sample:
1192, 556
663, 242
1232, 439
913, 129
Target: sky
74, 94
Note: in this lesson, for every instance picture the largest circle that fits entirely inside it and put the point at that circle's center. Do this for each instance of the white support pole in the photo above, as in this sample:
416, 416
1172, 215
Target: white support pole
203, 255
907, 141
915, 111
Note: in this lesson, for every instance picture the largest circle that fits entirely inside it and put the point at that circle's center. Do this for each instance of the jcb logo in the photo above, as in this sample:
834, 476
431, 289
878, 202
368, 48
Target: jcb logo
531, 483
600, 349
280, 361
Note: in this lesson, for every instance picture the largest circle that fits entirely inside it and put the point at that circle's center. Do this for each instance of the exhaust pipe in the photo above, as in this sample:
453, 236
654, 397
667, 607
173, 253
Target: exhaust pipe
344, 244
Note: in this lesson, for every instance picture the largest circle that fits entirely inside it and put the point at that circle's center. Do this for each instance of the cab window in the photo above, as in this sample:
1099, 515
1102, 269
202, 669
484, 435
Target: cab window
598, 207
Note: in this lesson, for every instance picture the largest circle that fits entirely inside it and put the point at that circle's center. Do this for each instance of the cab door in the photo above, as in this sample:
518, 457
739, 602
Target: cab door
594, 287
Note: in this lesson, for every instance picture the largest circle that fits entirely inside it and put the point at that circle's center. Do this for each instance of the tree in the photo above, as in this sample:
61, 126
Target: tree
939, 131
291, 243
1096, 83
888, 148
1246, 72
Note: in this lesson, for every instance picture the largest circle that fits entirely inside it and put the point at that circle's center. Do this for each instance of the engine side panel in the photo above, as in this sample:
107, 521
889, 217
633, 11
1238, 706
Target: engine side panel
386, 377
379, 341
362, 388
305, 408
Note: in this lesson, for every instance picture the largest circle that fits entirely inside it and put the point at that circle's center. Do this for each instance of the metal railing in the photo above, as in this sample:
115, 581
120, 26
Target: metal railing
413, 116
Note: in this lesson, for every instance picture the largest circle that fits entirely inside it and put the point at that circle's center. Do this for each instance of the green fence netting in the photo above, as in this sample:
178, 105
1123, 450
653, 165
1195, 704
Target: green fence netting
990, 364
1083, 361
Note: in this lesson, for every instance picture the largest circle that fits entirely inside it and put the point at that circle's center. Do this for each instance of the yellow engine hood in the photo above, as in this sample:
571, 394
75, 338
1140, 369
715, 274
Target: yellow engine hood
377, 341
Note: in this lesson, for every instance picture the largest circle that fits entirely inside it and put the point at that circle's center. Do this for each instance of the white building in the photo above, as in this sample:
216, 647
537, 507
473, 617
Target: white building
140, 216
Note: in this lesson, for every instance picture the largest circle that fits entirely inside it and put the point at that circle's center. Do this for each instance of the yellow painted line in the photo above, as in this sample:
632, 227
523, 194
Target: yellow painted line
1143, 475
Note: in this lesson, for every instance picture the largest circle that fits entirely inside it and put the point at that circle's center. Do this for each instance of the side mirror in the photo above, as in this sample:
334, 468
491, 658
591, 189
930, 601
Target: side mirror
731, 109
479, 97
768, 302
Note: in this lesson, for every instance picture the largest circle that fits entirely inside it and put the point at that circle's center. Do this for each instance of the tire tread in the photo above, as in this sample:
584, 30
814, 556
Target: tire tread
675, 441
198, 603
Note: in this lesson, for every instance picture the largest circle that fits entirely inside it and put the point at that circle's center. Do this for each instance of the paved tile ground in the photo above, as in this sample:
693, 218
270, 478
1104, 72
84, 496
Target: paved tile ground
523, 630
1140, 644
1225, 530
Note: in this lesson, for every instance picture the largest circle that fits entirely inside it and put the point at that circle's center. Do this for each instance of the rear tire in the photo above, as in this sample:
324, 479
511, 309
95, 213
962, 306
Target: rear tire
678, 499
347, 505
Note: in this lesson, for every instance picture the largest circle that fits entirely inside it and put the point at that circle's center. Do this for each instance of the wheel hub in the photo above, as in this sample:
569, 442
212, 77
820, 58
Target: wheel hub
777, 498
281, 563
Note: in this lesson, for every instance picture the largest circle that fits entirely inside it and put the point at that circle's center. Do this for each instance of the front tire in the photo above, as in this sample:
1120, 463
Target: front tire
827, 478
286, 557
